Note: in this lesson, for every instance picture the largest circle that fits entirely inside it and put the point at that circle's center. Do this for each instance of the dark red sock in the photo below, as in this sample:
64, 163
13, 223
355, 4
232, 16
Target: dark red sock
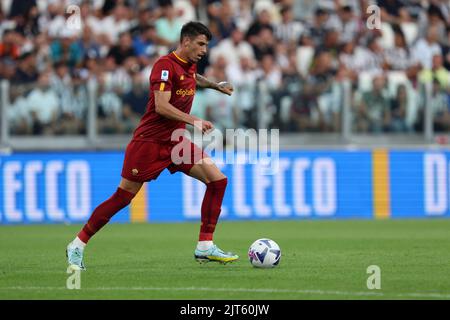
211, 207
104, 212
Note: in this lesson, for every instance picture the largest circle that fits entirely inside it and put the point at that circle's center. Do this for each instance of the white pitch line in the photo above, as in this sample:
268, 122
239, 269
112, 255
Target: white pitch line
318, 292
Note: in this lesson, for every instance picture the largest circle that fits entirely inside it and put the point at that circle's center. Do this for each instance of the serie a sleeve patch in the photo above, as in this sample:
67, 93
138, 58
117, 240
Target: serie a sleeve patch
165, 75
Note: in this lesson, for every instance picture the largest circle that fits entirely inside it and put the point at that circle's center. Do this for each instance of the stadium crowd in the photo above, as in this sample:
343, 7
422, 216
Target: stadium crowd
287, 60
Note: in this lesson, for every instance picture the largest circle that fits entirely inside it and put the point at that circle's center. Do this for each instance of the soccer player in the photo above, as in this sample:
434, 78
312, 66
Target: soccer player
173, 81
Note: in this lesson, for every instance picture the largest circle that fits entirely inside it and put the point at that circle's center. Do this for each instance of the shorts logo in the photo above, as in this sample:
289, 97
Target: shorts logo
134, 172
182, 77
165, 75
185, 92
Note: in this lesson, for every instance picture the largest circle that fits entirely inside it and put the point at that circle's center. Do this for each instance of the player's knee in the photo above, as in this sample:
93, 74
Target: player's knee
130, 186
123, 196
220, 183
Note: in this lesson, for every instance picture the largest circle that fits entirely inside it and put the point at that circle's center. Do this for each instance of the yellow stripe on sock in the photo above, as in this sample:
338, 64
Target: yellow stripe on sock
381, 184
138, 206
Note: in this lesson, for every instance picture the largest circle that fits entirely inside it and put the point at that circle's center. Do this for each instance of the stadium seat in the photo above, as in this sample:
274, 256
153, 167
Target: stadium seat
365, 81
304, 58
411, 31
387, 38
396, 78
285, 109
413, 106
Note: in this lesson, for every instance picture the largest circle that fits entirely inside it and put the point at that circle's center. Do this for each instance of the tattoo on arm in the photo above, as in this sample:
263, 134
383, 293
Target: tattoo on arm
203, 82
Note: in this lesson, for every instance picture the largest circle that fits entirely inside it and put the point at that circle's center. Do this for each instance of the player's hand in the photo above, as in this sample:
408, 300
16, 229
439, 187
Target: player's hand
225, 87
203, 125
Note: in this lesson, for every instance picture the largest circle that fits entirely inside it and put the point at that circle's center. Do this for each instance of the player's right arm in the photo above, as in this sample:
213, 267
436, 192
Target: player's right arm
164, 108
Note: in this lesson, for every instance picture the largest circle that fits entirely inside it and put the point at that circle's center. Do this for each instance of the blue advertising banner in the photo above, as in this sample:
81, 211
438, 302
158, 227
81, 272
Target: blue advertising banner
64, 187
419, 184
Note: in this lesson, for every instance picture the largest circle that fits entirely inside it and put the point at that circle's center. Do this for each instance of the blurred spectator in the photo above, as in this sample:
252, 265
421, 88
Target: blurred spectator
243, 15
213, 9
109, 109
116, 23
189, 10
437, 72
225, 22
117, 77
243, 76
264, 44
269, 84
355, 59
306, 40
169, 26
26, 71
20, 7
349, 27
330, 43
321, 78
27, 24
373, 112
288, 30
77, 114
377, 55
65, 49
393, 11
61, 83
319, 26
263, 21
219, 107
287, 71
426, 48
143, 18
89, 17
303, 111
123, 50
303, 9
291, 77
400, 57
145, 43
8, 45
44, 106
18, 115
55, 21
72, 98
292, 83
446, 49
433, 19
232, 48
270, 73
439, 105
7, 69
398, 112
88, 45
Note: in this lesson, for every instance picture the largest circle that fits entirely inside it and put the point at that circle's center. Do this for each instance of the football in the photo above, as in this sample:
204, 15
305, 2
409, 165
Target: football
264, 253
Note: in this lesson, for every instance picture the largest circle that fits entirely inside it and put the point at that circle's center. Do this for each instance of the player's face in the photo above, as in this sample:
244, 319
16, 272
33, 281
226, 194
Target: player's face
197, 48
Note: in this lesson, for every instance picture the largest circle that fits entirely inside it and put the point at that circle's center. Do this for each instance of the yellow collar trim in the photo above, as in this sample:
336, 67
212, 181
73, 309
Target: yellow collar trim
182, 60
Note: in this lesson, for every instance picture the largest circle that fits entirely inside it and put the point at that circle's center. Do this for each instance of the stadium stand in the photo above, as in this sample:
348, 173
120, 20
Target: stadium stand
287, 59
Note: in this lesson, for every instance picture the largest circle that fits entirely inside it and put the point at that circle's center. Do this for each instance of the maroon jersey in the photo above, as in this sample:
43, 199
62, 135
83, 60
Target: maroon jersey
169, 73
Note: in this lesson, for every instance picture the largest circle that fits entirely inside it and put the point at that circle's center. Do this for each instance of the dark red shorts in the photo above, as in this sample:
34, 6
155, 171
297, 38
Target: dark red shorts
145, 160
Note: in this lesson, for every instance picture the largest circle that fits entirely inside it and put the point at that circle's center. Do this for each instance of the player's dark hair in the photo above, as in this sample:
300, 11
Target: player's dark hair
193, 29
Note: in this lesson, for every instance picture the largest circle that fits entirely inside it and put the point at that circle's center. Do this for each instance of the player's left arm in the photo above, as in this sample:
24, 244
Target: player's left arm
224, 86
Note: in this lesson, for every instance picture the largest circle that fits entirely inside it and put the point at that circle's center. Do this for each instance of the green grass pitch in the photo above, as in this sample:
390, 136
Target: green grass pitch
320, 260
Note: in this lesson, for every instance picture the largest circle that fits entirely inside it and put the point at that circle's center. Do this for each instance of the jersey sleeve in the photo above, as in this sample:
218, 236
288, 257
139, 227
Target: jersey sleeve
161, 76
